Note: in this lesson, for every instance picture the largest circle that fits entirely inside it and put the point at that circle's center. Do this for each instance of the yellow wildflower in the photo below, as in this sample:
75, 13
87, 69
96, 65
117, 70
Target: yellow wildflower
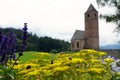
108, 60
102, 53
46, 72
98, 66
30, 64
33, 61
42, 54
117, 74
94, 61
55, 64
81, 71
88, 53
62, 55
18, 67
77, 60
61, 68
34, 72
96, 71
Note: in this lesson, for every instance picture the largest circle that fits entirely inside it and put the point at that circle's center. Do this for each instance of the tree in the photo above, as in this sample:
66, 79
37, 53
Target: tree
114, 17
35, 43
48, 44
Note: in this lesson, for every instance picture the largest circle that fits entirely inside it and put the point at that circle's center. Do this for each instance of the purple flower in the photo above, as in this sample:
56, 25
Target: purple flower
8, 45
24, 37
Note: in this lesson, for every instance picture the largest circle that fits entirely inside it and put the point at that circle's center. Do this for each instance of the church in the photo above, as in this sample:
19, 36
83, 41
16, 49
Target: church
88, 39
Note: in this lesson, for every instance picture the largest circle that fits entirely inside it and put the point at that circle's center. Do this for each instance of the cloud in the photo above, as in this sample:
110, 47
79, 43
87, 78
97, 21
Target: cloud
54, 18
107, 36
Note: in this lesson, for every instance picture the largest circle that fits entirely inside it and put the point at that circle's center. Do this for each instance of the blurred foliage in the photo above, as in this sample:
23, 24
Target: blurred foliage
111, 17
54, 51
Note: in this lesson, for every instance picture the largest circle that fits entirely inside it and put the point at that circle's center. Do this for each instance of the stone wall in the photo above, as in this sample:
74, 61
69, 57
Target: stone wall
77, 45
91, 30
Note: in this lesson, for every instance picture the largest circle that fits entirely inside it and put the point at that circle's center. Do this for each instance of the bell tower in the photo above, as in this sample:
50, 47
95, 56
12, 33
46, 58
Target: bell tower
91, 28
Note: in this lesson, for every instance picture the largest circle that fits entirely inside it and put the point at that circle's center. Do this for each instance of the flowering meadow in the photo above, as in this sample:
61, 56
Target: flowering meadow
86, 64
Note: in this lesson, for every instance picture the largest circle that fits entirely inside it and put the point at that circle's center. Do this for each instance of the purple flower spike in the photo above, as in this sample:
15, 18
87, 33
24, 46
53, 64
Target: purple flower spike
25, 27
24, 37
8, 45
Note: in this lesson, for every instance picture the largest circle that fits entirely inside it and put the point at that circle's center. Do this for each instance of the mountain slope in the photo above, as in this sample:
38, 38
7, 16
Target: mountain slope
112, 46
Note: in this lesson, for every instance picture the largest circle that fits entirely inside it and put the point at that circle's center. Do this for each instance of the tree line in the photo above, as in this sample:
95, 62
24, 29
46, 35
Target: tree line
35, 43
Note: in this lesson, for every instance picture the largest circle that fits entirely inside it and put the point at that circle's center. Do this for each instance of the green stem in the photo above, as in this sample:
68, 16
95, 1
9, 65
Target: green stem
109, 75
14, 63
92, 77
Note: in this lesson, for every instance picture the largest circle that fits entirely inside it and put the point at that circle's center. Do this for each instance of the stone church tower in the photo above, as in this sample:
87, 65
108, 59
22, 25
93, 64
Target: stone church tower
89, 38
91, 28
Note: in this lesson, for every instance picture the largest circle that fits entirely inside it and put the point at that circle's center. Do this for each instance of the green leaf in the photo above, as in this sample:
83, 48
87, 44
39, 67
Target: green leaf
11, 76
2, 79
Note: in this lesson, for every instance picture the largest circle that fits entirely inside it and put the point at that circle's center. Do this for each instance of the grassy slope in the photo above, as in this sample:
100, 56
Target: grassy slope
29, 55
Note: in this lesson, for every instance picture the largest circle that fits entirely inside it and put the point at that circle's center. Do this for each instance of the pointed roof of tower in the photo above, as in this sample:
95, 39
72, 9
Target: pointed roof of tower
91, 8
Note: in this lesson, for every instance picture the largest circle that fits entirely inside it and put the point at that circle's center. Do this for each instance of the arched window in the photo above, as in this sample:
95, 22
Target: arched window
77, 44
95, 15
88, 15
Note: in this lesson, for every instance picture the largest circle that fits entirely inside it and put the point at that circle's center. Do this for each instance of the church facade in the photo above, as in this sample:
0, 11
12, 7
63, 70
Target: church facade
88, 39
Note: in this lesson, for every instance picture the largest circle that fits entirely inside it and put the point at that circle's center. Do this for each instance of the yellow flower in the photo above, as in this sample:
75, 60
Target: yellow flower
102, 53
25, 68
23, 71
96, 71
10, 63
30, 64
18, 67
81, 71
42, 54
46, 72
117, 74
62, 55
34, 72
99, 78
61, 68
77, 60
94, 61
28, 74
76, 54
108, 60
98, 66
55, 64
88, 53
33, 61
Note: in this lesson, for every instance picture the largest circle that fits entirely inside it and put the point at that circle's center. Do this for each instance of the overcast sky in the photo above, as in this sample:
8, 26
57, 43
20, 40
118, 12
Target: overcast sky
55, 18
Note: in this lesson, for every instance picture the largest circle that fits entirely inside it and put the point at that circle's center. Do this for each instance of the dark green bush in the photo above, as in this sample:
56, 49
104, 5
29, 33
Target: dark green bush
54, 51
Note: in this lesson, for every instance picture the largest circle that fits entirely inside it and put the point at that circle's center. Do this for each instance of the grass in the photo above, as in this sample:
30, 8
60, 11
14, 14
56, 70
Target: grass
70, 52
28, 56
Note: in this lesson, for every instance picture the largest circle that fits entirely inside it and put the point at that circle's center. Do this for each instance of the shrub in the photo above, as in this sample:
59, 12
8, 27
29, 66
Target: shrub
54, 51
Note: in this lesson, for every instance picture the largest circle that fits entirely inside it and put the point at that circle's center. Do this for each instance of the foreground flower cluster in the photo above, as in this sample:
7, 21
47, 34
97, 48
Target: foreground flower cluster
85, 65
7, 53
